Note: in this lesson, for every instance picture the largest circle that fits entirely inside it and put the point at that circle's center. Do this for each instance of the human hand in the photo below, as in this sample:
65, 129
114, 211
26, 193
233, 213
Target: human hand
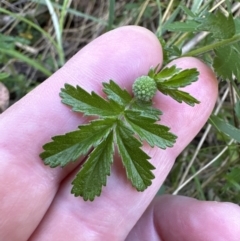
36, 203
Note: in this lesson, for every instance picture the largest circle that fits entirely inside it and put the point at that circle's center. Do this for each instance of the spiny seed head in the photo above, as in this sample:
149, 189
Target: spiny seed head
144, 88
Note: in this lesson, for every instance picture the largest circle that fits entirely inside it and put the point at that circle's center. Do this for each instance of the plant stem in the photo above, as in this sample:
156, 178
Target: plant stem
210, 47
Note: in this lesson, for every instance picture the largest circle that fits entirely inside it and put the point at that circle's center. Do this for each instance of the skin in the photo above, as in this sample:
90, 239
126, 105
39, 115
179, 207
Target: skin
36, 203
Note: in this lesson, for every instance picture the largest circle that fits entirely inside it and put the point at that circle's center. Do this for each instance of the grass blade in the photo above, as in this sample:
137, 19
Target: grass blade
225, 128
57, 29
75, 12
65, 6
111, 14
33, 25
27, 60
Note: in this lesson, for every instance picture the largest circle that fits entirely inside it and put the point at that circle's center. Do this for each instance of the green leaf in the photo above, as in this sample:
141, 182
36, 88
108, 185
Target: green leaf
188, 26
225, 128
69, 147
154, 134
233, 178
115, 93
4, 75
134, 159
93, 175
24, 58
181, 79
89, 104
180, 96
166, 73
234, 175
195, 6
146, 109
237, 109
7, 41
237, 25
187, 11
218, 24
121, 118
171, 78
169, 51
226, 63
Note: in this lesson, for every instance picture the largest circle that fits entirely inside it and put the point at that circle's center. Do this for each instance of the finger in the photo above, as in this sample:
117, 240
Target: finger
27, 187
115, 212
176, 218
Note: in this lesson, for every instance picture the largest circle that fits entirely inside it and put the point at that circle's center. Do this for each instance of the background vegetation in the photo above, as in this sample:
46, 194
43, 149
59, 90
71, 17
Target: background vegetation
37, 37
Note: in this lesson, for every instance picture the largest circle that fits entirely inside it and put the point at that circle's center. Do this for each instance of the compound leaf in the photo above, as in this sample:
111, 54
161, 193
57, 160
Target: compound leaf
154, 134
93, 175
180, 79
134, 159
166, 73
89, 104
180, 96
226, 63
218, 24
69, 147
121, 117
115, 93
171, 78
146, 109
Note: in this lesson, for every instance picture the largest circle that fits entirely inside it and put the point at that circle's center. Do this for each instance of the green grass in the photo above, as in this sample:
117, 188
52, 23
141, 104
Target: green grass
39, 36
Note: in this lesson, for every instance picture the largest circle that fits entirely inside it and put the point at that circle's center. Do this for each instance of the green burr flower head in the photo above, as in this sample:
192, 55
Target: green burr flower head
144, 88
